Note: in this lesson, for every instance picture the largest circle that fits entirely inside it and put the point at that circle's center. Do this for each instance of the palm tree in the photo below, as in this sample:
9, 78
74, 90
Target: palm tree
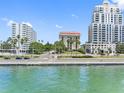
13, 43
99, 50
24, 40
9, 40
17, 42
77, 41
93, 50
6, 45
59, 46
109, 50
70, 42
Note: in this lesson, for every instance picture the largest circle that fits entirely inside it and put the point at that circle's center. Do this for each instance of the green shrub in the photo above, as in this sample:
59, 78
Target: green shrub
82, 56
1, 56
64, 57
75, 56
18, 57
7, 57
36, 56
26, 57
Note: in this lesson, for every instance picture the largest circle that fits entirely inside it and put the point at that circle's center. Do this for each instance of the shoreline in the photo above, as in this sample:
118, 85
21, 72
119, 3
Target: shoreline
59, 62
64, 64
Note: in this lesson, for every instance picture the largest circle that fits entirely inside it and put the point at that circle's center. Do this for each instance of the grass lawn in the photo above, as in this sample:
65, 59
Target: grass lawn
73, 52
109, 57
27, 56
76, 54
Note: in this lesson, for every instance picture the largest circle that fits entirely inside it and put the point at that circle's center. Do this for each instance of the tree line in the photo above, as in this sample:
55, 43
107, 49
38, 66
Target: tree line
37, 47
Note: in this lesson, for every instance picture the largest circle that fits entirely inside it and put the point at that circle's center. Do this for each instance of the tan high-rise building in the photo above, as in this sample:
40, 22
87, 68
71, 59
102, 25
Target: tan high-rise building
106, 28
107, 24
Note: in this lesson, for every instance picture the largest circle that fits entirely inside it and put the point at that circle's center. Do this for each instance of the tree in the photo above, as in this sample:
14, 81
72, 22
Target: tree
77, 41
17, 42
6, 45
24, 40
59, 46
36, 48
9, 40
13, 43
100, 51
110, 50
48, 46
120, 48
81, 50
70, 42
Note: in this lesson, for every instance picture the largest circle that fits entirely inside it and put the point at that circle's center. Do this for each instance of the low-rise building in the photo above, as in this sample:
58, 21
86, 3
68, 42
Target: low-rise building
70, 39
97, 48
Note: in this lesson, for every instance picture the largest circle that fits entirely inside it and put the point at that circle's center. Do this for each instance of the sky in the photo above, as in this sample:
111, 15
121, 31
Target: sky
49, 17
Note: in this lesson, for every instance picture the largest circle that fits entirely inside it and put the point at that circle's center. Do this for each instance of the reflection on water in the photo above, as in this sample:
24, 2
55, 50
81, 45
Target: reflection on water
62, 79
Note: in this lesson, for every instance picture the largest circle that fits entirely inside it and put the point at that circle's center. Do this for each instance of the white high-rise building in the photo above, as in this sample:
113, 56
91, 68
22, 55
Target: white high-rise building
24, 30
106, 28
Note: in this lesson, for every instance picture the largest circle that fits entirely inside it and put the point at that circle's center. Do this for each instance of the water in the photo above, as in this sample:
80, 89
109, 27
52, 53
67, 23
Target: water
62, 79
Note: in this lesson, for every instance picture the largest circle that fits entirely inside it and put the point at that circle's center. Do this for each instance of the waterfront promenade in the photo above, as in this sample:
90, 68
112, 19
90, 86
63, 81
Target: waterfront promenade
50, 59
69, 61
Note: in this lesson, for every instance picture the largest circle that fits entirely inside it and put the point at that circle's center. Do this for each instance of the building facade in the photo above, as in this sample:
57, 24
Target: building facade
100, 48
24, 30
107, 26
70, 39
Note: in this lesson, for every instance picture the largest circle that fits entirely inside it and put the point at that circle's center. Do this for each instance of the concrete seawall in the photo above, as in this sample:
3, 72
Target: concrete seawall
91, 61
61, 64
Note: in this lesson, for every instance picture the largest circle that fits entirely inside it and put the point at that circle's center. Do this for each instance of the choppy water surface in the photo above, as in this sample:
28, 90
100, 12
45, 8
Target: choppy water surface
62, 79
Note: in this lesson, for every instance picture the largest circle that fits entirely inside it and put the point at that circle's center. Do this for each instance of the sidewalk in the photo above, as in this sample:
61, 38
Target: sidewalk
92, 61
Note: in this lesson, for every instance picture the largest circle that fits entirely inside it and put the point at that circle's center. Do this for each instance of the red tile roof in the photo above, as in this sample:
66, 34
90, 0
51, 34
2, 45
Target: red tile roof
70, 33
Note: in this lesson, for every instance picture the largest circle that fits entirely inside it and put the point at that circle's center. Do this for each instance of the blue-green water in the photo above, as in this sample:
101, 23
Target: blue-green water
62, 79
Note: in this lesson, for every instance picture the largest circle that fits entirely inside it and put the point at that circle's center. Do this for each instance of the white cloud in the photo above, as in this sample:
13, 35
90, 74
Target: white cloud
28, 23
58, 26
8, 21
119, 2
75, 16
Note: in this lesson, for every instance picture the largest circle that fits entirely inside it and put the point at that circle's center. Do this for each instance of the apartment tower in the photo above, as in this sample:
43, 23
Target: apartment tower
24, 30
106, 28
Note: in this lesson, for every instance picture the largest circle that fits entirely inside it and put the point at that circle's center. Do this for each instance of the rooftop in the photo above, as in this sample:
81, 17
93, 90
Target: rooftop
69, 33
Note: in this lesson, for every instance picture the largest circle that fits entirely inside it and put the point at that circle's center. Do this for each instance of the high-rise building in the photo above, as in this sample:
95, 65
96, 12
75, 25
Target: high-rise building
23, 30
70, 39
106, 28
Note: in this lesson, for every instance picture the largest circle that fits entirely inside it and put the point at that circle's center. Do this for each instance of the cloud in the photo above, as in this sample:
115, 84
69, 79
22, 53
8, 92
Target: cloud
28, 23
75, 16
119, 2
58, 26
8, 21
